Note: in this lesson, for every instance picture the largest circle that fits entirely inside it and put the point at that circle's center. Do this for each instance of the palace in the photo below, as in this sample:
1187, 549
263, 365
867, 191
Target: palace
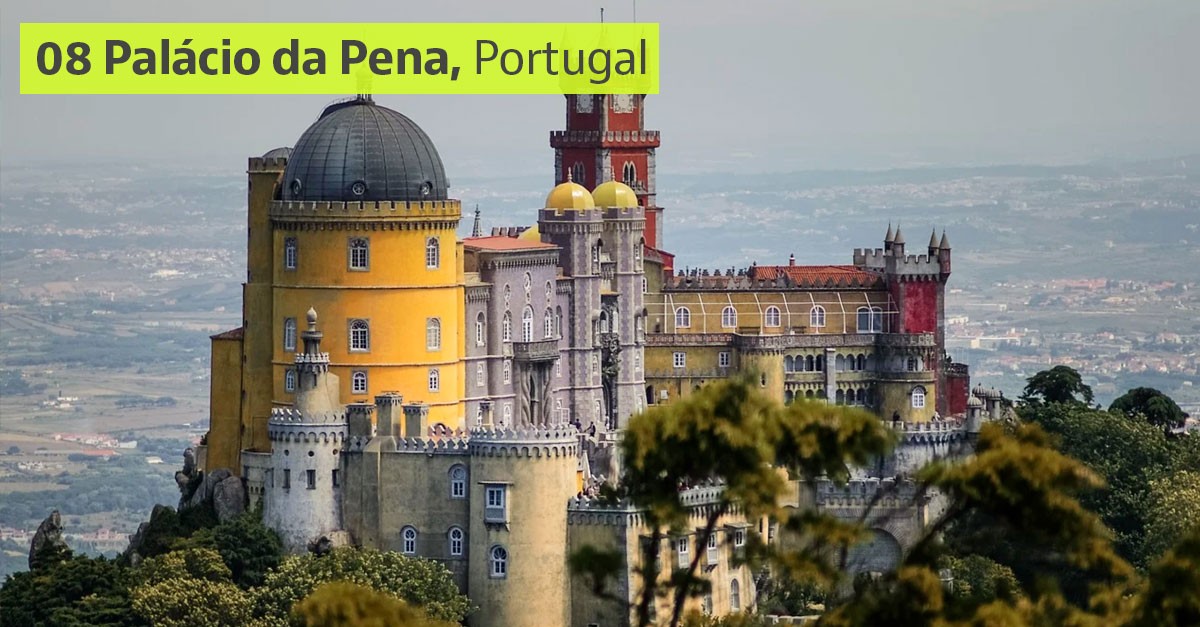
396, 387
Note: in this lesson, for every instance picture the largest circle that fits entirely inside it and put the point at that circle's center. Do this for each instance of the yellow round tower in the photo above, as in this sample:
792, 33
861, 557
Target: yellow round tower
363, 230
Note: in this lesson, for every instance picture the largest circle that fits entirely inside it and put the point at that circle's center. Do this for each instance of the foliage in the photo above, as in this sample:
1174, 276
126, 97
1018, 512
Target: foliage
192, 602
77, 591
1150, 405
783, 595
731, 432
247, 546
203, 564
342, 604
978, 580
416, 581
1172, 595
1060, 384
1174, 509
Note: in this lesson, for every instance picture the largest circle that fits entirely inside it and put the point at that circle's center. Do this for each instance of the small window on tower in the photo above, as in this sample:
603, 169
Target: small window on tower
289, 253
289, 380
359, 253
310, 477
289, 334
358, 382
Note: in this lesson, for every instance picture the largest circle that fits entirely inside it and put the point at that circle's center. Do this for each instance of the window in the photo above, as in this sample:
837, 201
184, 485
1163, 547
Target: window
723, 359
708, 603
816, 317
870, 320
558, 320
358, 382
435, 380
287, 479
480, 330
289, 253
495, 508
360, 336
458, 481
360, 256
507, 413
310, 478
334, 478
681, 551
506, 327
577, 173
772, 316
728, 317
713, 554
433, 334
918, 397
735, 595
681, 359
456, 542
409, 545
683, 318
548, 324
479, 376
289, 380
527, 324
629, 174
432, 253
289, 334
499, 563
739, 537
506, 372
644, 285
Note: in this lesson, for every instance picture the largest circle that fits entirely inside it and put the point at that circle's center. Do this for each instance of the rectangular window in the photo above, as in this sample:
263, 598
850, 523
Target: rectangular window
287, 479
680, 359
723, 359
289, 253
334, 478
681, 550
739, 537
712, 555
360, 256
311, 477
495, 505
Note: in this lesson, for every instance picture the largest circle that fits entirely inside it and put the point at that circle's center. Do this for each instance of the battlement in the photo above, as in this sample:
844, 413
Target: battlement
266, 164
532, 442
317, 359
885, 493
375, 210
432, 446
566, 216
624, 213
929, 432
606, 139
290, 425
881, 260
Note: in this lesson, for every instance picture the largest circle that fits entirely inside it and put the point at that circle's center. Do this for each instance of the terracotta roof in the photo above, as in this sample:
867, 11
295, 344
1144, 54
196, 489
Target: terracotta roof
232, 334
818, 276
502, 242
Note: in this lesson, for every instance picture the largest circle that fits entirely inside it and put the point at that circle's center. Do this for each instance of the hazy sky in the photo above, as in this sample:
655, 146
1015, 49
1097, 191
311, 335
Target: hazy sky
746, 85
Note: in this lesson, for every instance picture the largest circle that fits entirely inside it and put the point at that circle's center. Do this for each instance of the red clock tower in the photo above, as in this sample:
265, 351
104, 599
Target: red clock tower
606, 140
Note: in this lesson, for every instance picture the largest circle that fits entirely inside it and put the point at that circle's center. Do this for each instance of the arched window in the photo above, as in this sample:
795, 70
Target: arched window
864, 320
728, 317
629, 174
289, 253
506, 327
289, 334
409, 537
433, 253
548, 324
527, 324
918, 397
911, 364
840, 397
289, 380
808, 364
788, 396
577, 173
820, 363
862, 362
558, 320
358, 382
683, 318
456, 542
839, 363
735, 595
479, 376
359, 253
480, 330
507, 372
433, 334
789, 364
877, 319
360, 336
458, 481
435, 380
816, 316
499, 563
772, 316
604, 326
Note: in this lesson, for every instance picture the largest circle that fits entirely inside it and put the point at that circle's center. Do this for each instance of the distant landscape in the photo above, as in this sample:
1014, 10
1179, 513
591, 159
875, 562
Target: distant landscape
112, 277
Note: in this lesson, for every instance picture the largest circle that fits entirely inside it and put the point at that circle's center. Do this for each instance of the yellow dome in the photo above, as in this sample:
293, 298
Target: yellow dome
570, 195
615, 194
531, 234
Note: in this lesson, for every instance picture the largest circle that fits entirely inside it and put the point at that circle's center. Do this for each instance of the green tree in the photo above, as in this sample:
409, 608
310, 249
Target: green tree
248, 547
343, 604
1174, 510
203, 564
1150, 405
76, 591
1060, 384
191, 602
418, 582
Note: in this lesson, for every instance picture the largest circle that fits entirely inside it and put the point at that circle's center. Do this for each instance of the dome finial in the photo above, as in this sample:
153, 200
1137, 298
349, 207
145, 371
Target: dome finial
570, 177
312, 318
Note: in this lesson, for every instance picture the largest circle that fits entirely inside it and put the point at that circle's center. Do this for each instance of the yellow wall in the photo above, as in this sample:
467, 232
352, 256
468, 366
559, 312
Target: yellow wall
256, 306
225, 399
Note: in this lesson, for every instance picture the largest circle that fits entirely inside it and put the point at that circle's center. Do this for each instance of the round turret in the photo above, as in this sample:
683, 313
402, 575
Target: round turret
302, 496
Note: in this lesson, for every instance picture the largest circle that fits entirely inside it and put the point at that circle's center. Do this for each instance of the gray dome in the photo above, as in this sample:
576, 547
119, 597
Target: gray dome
278, 153
358, 150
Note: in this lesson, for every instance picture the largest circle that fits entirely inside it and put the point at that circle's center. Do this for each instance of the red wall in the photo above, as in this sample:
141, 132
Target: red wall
957, 389
919, 307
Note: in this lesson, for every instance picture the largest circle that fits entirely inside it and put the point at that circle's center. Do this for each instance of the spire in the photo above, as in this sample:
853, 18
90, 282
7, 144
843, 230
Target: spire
933, 240
945, 244
477, 228
899, 239
887, 239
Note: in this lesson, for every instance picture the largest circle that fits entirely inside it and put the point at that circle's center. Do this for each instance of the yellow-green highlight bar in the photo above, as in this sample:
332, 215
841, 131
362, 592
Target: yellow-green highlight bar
241, 58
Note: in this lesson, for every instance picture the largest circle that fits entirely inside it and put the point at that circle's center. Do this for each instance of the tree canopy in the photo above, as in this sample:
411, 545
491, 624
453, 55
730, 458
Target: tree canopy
1150, 405
1060, 384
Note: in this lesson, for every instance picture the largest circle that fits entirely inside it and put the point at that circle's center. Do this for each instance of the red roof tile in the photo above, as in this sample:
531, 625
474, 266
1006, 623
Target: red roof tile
818, 276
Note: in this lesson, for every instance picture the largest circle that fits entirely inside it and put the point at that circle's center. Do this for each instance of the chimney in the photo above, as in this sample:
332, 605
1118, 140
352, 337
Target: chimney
358, 419
388, 423
416, 420
792, 259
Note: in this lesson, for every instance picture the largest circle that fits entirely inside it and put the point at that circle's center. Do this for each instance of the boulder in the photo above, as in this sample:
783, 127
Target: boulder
228, 498
48, 546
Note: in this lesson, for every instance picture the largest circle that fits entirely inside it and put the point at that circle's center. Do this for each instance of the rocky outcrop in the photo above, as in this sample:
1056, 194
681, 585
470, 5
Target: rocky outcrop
48, 545
228, 498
